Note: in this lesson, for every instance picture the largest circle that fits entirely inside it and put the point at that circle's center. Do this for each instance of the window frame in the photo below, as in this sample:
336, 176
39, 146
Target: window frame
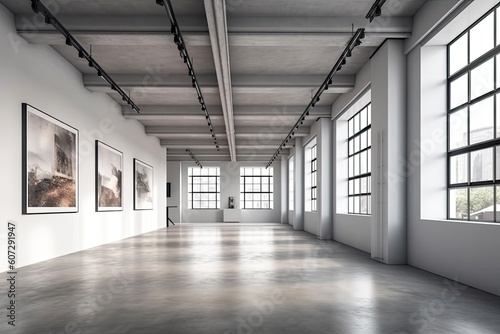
468, 148
270, 193
314, 177
191, 191
359, 176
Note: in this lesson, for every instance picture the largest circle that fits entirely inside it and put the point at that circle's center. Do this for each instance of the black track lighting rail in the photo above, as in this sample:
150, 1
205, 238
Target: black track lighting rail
38, 7
355, 41
194, 158
376, 10
184, 54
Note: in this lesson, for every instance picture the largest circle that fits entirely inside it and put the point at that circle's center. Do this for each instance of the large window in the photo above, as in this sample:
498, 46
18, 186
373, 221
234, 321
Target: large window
203, 188
291, 185
256, 187
473, 122
314, 185
359, 153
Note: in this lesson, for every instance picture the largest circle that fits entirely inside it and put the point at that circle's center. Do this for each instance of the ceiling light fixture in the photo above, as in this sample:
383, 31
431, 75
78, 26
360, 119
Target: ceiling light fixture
194, 158
39, 7
376, 10
184, 54
355, 41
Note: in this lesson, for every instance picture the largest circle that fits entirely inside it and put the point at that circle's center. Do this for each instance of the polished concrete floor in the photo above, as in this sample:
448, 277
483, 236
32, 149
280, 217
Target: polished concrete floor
236, 278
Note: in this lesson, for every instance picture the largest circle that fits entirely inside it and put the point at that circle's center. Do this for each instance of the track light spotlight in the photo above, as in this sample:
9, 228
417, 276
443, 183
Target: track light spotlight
91, 63
177, 40
358, 43
48, 20
113, 87
190, 72
180, 47
343, 61
68, 41
34, 6
173, 30
99, 73
80, 54
349, 53
362, 34
375, 10
185, 60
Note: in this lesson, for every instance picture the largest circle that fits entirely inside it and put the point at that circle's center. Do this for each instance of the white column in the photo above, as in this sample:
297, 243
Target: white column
388, 153
325, 176
298, 223
284, 189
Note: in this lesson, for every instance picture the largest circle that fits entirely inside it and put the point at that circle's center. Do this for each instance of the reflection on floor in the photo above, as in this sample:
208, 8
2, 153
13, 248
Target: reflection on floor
237, 278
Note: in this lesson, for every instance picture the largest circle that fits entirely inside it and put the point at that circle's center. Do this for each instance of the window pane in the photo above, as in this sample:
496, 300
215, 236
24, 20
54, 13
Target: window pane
498, 115
356, 164
356, 204
481, 165
481, 37
498, 164
482, 79
481, 204
498, 68
364, 205
481, 121
351, 187
458, 129
364, 162
458, 203
498, 204
458, 54
370, 160
363, 119
459, 91
364, 185
351, 205
356, 187
459, 171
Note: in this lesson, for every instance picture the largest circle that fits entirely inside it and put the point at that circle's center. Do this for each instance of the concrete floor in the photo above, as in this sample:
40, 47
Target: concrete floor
236, 278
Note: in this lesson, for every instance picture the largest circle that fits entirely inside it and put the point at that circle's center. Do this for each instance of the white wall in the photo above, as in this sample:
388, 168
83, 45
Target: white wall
467, 252
230, 186
39, 76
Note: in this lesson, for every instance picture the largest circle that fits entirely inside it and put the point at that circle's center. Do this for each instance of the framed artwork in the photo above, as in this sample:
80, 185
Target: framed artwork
109, 170
143, 186
50, 164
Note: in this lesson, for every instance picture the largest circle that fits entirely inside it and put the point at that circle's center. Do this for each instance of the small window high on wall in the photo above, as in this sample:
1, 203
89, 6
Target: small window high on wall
474, 122
359, 160
256, 187
203, 188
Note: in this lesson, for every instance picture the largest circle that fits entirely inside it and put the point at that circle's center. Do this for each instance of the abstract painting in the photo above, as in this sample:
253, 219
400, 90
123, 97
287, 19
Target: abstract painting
109, 168
50, 164
143, 186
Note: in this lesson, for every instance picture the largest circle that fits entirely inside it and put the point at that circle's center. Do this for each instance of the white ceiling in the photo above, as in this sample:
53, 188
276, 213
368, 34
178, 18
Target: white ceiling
277, 53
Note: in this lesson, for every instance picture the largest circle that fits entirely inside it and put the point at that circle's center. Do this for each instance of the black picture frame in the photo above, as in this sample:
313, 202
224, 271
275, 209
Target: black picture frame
143, 186
50, 166
168, 189
108, 178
